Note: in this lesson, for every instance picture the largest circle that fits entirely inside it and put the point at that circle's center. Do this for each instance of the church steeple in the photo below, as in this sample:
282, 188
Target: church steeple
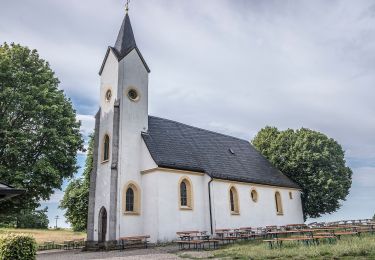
125, 40
124, 44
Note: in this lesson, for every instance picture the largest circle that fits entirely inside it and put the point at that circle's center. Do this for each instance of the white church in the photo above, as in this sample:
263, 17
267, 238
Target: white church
153, 176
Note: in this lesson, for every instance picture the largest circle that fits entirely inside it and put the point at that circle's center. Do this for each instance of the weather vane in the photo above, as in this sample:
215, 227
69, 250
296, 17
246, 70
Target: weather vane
127, 5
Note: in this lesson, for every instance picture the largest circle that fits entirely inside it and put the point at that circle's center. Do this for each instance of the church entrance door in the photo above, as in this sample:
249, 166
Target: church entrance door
102, 227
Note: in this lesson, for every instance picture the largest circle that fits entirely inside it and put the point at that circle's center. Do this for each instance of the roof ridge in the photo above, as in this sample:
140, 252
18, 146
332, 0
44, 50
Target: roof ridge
202, 129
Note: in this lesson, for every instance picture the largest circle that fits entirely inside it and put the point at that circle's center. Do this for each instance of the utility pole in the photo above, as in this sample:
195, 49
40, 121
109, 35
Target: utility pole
57, 217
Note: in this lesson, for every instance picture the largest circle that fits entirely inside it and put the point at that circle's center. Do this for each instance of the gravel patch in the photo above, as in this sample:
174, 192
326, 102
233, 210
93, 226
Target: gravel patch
166, 252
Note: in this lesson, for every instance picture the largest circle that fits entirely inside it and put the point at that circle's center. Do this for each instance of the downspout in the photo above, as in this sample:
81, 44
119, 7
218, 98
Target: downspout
209, 204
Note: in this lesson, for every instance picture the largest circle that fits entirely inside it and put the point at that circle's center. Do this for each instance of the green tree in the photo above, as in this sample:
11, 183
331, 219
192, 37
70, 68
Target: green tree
27, 218
39, 133
312, 160
33, 219
76, 196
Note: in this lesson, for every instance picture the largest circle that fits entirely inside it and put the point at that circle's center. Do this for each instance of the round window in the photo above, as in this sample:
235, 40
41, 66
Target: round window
133, 95
108, 95
254, 195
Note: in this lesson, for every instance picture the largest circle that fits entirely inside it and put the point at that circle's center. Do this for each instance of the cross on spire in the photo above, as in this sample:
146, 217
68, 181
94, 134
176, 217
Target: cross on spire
127, 6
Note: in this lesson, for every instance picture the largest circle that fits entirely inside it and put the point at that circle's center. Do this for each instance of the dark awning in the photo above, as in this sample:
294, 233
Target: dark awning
7, 191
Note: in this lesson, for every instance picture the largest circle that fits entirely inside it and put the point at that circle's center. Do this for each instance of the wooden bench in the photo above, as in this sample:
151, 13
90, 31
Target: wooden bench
133, 241
245, 233
68, 244
195, 243
79, 243
278, 242
343, 233
331, 238
366, 229
271, 228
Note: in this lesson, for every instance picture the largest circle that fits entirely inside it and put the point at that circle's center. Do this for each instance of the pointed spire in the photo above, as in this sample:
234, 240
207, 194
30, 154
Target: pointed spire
125, 40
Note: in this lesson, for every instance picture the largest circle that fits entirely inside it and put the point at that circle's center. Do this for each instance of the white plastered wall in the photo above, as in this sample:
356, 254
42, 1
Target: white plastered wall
254, 214
133, 121
108, 80
163, 216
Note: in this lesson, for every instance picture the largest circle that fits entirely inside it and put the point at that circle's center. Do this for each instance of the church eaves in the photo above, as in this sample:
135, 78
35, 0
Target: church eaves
125, 43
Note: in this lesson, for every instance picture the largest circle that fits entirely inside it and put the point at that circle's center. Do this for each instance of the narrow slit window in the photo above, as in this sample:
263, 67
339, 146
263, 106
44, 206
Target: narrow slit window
279, 207
231, 200
106, 148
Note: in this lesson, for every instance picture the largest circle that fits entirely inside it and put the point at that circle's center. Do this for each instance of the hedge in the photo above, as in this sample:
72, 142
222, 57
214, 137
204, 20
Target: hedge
17, 247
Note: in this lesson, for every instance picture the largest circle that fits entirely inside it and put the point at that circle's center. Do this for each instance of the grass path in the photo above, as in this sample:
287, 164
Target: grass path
347, 248
42, 235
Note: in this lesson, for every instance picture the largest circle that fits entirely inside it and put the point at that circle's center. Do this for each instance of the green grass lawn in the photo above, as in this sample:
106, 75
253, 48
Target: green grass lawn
42, 235
347, 248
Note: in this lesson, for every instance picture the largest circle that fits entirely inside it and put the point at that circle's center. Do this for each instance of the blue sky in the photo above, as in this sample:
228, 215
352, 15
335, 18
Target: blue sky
228, 66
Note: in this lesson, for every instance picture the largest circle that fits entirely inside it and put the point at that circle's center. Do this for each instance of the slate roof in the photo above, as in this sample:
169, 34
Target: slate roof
124, 44
125, 40
180, 146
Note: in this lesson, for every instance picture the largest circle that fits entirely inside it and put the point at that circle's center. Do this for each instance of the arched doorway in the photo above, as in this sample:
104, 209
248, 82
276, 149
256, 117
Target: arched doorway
102, 224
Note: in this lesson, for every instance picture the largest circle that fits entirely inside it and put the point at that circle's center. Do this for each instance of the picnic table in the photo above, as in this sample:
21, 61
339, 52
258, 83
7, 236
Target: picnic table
197, 239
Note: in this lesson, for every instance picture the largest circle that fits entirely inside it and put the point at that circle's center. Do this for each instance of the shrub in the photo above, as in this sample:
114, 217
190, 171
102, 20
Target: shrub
17, 247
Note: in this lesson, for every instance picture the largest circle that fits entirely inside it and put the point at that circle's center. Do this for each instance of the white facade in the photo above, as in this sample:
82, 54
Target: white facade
160, 214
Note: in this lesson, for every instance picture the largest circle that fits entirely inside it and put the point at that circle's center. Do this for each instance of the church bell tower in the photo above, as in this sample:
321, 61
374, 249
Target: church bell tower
122, 117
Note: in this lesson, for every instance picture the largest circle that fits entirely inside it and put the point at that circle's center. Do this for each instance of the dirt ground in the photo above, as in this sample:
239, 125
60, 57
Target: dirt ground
166, 252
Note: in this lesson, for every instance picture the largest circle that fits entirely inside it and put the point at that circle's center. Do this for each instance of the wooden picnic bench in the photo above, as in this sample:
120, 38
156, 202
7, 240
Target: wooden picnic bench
197, 239
66, 245
278, 242
226, 235
47, 245
198, 243
133, 241
79, 243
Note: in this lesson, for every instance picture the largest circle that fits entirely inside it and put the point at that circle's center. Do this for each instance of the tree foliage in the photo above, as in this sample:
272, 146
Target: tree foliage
39, 134
312, 160
33, 219
27, 219
76, 196
17, 247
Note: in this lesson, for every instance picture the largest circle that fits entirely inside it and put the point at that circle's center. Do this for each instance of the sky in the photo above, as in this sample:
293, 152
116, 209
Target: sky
231, 66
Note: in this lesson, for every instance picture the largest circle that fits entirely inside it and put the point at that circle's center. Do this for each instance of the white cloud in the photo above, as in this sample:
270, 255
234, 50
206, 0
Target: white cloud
364, 177
87, 124
229, 66
55, 197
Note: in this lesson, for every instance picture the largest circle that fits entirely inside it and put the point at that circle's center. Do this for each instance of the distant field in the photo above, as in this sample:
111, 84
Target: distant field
42, 235
347, 248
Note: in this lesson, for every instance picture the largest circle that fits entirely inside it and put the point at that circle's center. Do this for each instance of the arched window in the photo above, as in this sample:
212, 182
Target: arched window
254, 195
290, 195
131, 198
279, 206
233, 201
185, 193
106, 148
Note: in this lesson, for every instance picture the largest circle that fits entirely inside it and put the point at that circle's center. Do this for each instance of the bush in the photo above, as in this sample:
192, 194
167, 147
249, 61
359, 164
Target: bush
17, 247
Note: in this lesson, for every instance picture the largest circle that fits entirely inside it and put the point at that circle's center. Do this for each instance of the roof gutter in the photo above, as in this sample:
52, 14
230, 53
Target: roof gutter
209, 204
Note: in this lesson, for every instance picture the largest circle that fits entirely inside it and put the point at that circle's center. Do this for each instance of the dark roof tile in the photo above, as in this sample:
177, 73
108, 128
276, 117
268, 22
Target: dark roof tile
179, 146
